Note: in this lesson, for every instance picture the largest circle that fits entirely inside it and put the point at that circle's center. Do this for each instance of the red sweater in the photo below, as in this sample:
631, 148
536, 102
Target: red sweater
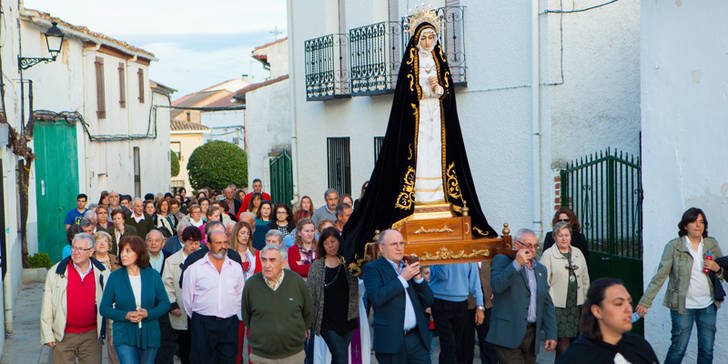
295, 260
246, 201
80, 301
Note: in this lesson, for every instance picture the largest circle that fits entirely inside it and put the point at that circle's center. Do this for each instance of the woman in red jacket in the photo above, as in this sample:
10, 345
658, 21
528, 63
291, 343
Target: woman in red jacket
303, 252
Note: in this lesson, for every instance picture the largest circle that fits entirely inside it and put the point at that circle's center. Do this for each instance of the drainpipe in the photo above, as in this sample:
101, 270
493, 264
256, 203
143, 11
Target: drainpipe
536, 117
292, 90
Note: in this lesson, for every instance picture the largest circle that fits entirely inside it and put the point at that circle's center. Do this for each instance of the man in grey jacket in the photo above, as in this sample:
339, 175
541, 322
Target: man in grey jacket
522, 305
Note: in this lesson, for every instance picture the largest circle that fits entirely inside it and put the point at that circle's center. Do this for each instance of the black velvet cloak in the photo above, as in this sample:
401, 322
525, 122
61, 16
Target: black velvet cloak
390, 195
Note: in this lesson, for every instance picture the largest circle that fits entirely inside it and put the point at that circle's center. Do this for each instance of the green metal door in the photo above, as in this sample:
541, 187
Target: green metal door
281, 178
56, 183
605, 191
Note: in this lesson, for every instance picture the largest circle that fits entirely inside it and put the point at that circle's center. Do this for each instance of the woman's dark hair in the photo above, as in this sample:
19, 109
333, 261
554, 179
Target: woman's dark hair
279, 205
327, 233
691, 215
589, 325
191, 233
573, 220
136, 244
118, 211
260, 208
103, 195
251, 202
72, 231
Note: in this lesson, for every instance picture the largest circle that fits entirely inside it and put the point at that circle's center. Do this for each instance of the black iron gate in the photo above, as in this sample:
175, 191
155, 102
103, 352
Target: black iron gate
605, 191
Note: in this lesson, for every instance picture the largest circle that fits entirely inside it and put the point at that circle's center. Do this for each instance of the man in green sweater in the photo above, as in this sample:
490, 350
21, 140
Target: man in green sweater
140, 220
277, 310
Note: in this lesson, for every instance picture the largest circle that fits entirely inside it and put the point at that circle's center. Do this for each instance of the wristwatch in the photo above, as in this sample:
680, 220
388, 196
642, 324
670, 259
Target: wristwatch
481, 307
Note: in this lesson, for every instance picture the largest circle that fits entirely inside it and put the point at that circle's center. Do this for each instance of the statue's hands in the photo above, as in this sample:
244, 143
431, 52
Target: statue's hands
433, 83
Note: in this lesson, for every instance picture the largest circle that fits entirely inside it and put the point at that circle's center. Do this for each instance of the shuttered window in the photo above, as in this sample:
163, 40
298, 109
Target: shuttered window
140, 75
122, 86
339, 164
100, 94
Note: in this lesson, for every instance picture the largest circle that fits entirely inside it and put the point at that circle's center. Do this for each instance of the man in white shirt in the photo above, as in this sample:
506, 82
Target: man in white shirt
212, 289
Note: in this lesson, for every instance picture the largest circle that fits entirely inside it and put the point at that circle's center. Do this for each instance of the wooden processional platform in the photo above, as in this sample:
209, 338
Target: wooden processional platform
437, 236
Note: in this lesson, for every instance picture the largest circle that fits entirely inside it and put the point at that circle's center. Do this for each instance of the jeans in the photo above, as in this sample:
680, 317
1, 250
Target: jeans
682, 325
133, 355
338, 345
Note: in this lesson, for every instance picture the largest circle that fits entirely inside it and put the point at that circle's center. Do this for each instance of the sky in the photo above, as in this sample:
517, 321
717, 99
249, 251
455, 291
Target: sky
196, 45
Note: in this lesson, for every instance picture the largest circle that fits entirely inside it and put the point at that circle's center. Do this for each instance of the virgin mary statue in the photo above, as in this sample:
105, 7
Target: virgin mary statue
422, 161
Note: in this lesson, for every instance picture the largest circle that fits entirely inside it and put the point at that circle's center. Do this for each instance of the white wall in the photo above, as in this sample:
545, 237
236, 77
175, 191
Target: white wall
269, 127
225, 125
684, 134
597, 106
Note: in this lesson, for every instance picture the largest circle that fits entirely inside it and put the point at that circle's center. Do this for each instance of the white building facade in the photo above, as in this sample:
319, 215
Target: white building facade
586, 94
684, 134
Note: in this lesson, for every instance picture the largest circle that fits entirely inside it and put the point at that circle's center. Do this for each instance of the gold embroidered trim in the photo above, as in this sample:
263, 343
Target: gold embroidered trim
406, 198
446, 254
428, 189
429, 178
412, 82
453, 186
447, 83
410, 152
480, 232
416, 113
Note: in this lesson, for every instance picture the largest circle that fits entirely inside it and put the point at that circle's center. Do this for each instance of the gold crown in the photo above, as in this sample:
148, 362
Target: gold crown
421, 15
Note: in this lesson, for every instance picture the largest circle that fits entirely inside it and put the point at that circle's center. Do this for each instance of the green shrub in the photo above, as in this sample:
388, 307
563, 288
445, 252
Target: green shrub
174, 163
40, 260
217, 164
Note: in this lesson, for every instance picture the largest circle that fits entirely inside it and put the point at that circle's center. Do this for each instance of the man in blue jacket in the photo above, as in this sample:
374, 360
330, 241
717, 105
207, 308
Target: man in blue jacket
399, 296
522, 304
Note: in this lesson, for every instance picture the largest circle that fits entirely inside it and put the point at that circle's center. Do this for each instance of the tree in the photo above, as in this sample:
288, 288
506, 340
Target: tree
218, 164
174, 162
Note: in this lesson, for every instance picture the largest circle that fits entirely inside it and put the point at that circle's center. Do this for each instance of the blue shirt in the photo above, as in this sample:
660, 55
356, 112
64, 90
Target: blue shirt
157, 262
532, 286
453, 282
410, 320
74, 217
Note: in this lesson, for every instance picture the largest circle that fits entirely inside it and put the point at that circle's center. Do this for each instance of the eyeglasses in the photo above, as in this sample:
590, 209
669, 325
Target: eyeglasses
563, 220
77, 249
528, 246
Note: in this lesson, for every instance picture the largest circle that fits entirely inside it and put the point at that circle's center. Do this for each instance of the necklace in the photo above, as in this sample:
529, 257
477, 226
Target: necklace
336, 276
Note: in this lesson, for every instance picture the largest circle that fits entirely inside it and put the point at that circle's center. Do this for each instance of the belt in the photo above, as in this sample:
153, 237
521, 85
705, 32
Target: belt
530, 324
410, 331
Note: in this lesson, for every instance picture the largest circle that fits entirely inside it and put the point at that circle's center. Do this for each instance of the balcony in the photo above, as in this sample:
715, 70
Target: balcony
366, 60
326, 67
376, 53
452, 40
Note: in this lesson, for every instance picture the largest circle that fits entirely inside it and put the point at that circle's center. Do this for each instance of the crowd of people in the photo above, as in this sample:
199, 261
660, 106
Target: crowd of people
230, 277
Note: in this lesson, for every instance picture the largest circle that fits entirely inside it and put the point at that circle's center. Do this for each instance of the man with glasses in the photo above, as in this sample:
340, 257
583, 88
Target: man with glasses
69, 320
399, 295
522, 304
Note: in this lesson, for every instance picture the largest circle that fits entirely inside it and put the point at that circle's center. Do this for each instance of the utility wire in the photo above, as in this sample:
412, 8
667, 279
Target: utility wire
578, 10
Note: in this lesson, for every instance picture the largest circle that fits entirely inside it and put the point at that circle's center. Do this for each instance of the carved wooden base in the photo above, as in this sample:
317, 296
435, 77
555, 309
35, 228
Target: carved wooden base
451, 251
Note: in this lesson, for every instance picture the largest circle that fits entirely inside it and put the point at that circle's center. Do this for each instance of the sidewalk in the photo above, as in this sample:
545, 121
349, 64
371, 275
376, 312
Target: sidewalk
24, 345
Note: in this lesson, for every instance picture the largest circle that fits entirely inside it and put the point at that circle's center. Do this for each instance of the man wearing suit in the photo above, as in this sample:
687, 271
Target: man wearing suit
399, 296
522, 304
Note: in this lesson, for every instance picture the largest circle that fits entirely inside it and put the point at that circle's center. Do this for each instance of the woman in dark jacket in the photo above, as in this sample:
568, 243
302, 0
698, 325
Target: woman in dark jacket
605, 325
337, 295
564, 214
135, 298
282, 219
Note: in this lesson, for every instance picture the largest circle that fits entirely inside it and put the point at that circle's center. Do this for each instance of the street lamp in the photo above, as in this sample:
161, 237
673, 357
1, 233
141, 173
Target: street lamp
54, 42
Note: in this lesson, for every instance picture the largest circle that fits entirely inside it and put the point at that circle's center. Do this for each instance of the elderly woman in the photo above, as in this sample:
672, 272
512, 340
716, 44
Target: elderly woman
335, 293
302, 254
565, 214
101, 253
690, 294
605, 325
134, 298
568, 279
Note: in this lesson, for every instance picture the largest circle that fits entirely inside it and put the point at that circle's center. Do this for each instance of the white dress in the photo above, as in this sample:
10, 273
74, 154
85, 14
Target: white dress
428, 178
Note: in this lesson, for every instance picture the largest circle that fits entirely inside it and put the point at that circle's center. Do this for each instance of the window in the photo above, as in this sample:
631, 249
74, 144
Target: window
189, 116
122, 86
339, 164
378, 141
140, 75
137, 174
100, 94
177, 149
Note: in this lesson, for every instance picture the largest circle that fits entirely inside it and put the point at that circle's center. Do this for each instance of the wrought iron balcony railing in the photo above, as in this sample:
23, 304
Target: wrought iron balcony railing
376, 53
452, 40
326, 67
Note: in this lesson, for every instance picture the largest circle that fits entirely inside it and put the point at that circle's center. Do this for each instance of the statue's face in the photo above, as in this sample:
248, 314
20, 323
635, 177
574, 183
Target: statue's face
427, 40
